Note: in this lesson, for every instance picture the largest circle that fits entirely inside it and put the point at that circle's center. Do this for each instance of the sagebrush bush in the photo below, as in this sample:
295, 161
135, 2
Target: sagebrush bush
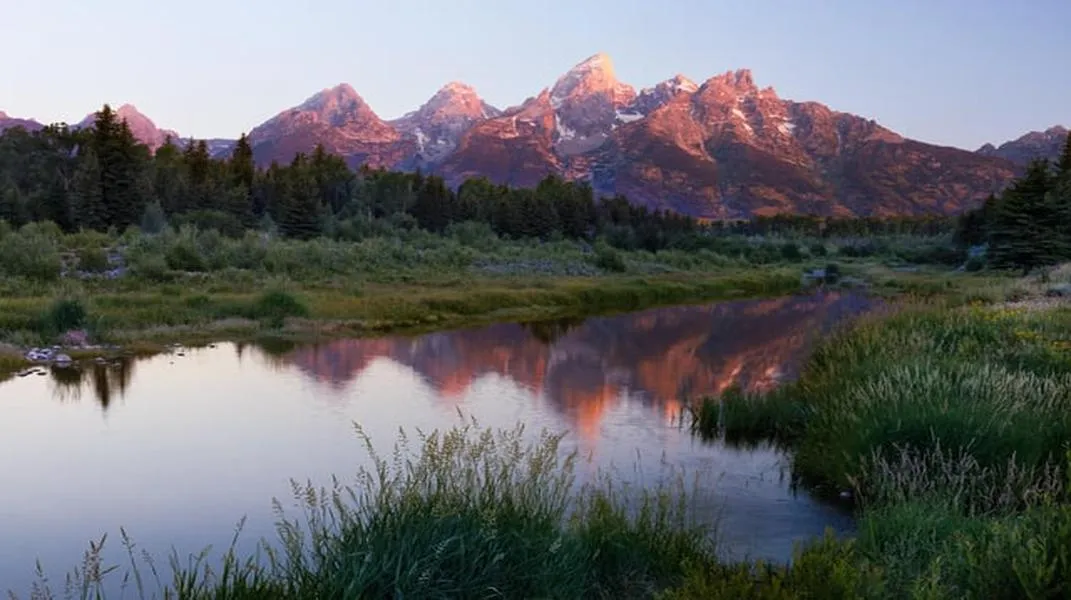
31, 254
93, 260
184, 255
608, 259
275, 306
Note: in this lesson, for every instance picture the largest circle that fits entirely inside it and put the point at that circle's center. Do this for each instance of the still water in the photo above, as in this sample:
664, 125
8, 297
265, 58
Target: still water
177, 448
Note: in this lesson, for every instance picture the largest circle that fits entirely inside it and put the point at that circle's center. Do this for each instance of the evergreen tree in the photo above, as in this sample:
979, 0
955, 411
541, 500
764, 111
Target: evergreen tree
1063, 164
434, 208
122, 161
170, 186
12, 206
301, 210
972, 227
1026, 229
88, 193
242, 172
153, 219
242, 168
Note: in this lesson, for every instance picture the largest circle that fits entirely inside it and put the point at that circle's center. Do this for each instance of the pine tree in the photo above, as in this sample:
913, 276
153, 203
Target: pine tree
1026, 229
123, 161
242, 167
1063, 165
242, 172
12, 206
434, 208
88, 193
301, 210
153, 219
170, 184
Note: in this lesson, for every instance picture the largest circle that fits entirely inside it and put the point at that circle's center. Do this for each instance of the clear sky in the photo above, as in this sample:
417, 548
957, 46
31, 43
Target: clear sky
956, 72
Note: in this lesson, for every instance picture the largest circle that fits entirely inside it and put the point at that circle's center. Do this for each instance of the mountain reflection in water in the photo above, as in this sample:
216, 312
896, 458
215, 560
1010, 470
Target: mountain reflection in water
175, 448
661, 356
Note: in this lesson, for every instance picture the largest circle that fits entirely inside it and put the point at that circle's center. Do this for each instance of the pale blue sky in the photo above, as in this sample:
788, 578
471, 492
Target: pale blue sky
956, 72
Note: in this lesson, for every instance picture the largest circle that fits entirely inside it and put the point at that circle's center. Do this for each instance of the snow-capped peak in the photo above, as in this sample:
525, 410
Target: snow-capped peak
680, 83
593, 75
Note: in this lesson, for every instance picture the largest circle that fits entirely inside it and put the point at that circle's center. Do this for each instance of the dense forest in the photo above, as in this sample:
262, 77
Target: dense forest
101, 178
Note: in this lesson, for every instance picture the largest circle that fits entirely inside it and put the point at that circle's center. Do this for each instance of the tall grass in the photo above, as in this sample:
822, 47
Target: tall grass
466, 513
951, 428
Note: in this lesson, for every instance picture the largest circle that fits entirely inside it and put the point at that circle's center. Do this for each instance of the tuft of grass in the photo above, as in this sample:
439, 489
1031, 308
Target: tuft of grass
63, 315
469, 512
749, 418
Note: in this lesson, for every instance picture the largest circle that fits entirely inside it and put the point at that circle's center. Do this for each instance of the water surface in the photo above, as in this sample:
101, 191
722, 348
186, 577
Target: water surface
176, 448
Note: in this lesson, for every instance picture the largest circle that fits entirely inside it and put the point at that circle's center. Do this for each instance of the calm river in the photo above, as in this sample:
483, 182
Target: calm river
177, 448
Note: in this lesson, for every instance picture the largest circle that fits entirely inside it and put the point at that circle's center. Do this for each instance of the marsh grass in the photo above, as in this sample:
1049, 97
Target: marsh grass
465, 513
950, 425
204, 308
747, 419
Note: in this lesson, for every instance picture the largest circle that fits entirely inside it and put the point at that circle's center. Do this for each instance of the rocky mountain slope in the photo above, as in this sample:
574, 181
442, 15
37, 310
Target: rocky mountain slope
1046, 144
438, 125
339, 119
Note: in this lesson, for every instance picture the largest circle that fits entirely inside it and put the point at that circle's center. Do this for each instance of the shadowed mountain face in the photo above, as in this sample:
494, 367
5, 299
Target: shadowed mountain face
1046, 144
9, 122
659, 357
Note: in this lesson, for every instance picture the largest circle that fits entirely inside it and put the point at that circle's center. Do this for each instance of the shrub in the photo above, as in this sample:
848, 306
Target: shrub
183, 255
65, 314
151, 266
790, 251
833, 273
608, 259
974, 264
818, 249
473, 234
275, 306
30, 255
93, 260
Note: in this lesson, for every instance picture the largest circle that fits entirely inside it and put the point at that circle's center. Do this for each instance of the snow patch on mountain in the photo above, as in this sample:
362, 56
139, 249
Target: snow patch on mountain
564, 133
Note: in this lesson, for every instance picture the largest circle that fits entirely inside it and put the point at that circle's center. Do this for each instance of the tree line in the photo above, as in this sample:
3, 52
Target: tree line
1029, 224
100, 177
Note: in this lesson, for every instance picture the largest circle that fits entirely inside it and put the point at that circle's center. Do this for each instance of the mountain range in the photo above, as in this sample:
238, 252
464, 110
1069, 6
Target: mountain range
722, 148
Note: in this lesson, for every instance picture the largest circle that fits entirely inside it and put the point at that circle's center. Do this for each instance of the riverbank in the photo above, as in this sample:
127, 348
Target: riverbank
950, 427
143, 319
